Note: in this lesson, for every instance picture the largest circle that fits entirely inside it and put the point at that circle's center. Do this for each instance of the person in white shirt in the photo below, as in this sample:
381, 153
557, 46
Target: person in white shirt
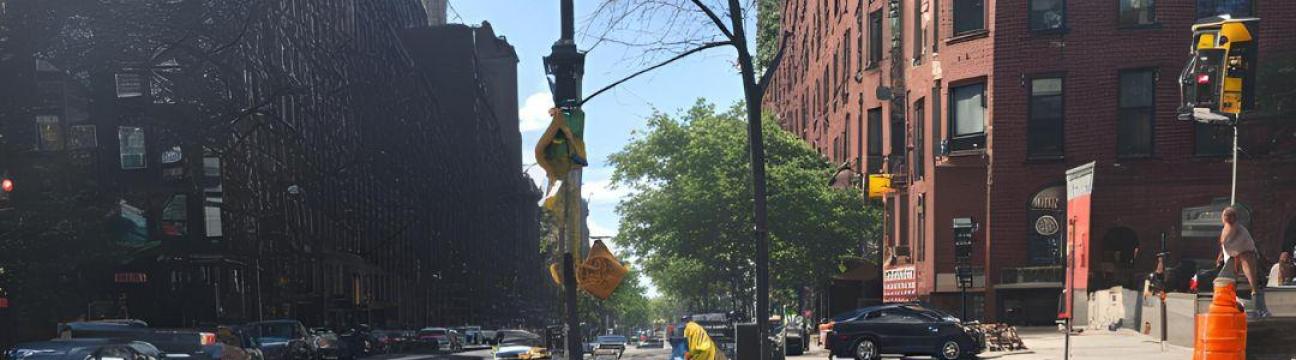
1236, 243
1282, 271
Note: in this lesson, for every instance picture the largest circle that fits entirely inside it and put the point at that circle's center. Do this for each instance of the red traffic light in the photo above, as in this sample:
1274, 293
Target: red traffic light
7, 185
1203, 79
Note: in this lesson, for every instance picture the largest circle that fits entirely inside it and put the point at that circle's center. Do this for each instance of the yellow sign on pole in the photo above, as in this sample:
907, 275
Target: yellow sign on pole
601, 273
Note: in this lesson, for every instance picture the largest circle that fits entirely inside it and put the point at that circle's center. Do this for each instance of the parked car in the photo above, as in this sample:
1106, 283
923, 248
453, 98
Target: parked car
390, 341
651, 343
472, 334
237, 344
439, 338
488, 337
86, 349
356, 342
327, 343
908, 329
611, 342
191, 343
520, 344
284, 340
792, 334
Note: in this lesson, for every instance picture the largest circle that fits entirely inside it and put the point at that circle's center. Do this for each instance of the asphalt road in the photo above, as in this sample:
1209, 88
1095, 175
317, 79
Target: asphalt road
485, 353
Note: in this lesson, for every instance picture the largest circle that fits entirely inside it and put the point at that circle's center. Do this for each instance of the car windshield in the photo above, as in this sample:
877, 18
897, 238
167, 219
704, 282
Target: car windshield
432, 332
612, 339
274, 330
849, 315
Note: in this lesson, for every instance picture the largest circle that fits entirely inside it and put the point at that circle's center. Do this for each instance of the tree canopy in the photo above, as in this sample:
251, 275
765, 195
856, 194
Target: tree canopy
689, 217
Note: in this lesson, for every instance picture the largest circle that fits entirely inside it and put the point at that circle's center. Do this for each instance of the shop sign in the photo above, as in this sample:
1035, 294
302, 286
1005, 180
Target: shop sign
900, 284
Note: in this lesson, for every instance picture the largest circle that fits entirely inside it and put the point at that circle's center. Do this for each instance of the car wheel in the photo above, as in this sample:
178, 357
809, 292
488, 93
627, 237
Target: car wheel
866, 349
950, 350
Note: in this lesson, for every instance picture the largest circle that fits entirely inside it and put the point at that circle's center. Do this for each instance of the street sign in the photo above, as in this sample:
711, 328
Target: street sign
601, 273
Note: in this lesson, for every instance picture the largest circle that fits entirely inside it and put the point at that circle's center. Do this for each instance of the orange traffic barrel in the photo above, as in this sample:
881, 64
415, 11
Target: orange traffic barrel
1221, 332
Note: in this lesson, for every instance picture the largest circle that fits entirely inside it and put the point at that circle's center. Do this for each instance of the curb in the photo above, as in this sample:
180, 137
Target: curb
1006, 353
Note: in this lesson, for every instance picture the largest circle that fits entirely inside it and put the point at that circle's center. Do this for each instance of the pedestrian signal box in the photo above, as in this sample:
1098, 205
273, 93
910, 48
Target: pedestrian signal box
963, 230
1219, 81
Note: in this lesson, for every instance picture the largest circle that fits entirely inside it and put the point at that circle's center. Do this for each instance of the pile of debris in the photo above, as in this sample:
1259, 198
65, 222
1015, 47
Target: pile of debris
1001, 337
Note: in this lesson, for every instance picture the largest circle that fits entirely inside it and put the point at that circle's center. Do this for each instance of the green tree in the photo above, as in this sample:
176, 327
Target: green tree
689, 218
769, 23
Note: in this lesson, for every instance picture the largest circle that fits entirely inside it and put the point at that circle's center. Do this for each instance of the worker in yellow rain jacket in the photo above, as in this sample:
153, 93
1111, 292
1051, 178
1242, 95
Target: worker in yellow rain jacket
700, 346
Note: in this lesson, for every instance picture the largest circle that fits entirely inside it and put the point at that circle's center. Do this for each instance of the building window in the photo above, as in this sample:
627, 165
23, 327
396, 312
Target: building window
83, 137
920, 241
846, 58
1212, 140
1134, 128
1236, 8
49, 133
897, 155
920, 151
129, 85
967, 120
131, 145
175, 216
859, 39
969, 16
1049, 14
875, 39
919, 36
875, 140
1137, 12
859, 139
213, 194
1045, 124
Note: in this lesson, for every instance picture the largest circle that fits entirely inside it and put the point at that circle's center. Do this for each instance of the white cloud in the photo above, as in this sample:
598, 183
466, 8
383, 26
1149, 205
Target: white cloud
596, 229
534, 114
602, 192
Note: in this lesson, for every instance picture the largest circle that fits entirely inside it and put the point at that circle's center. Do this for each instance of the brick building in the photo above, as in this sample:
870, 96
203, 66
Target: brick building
336, 162
978, 107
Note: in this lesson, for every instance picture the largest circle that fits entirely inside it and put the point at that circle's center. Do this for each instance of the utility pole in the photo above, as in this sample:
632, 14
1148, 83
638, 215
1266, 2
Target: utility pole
566, 66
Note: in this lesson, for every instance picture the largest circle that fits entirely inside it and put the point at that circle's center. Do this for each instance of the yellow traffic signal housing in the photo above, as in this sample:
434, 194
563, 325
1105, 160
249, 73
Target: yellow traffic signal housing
562, 147
879, 185
1219, 80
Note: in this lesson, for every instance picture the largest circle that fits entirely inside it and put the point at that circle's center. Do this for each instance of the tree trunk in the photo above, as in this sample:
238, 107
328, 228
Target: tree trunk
755, 138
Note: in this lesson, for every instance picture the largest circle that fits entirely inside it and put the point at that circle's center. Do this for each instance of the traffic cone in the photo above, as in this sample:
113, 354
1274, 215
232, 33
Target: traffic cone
1221, 332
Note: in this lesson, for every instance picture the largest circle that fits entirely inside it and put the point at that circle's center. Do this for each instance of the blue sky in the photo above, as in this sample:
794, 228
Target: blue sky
532, 26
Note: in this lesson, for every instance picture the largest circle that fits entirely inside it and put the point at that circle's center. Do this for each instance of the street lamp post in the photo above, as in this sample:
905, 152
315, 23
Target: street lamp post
566, 66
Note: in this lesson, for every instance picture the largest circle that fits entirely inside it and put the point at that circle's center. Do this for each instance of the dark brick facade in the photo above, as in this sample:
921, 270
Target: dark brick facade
1136, 198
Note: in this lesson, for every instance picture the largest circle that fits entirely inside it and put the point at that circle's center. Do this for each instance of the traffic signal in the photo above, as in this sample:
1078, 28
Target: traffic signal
562, 147
6, 189
1219, 81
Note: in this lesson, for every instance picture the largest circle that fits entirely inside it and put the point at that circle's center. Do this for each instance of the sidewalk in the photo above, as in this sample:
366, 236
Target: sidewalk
1047, 343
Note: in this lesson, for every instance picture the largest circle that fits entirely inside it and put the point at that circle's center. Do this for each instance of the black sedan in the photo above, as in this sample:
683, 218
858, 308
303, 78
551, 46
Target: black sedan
85, 349
908, 329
